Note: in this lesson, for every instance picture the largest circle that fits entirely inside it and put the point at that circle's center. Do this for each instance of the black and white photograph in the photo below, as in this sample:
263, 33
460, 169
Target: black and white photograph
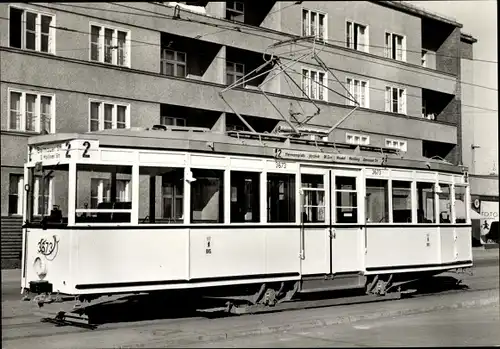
212, 174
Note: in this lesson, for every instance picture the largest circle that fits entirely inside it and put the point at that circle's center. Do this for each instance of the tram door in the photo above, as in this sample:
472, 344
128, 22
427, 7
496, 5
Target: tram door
346, 236
315, 221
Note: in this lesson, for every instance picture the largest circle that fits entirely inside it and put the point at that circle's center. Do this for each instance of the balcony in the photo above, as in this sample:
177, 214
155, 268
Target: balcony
240, 62
180, 116
439, 106
189, 58
261, 125
440, 42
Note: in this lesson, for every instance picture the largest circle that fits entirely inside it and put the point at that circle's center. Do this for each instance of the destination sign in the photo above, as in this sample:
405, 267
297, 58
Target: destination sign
325, 157
75, 149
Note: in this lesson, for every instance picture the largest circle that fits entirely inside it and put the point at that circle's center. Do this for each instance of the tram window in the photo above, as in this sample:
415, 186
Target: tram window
280, 198
245, 197
314, 198
49, 194
207, 196
401, 202
161, 195
103, 188
377, 201
444, 196
346, 200
425, 199
460, 207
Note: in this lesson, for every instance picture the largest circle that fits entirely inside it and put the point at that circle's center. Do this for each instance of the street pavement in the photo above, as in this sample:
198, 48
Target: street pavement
332, 326
477, 326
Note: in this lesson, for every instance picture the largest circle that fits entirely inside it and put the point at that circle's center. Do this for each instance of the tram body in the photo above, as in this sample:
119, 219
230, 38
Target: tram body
143, 211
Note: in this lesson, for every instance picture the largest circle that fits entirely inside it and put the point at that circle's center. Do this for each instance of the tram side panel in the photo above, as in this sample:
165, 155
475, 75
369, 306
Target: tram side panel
232, 252
456, 244
125, 257
347, 250
402, 246
48, 257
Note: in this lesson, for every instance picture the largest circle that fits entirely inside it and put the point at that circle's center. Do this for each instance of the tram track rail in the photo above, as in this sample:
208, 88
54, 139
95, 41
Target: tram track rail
37, 329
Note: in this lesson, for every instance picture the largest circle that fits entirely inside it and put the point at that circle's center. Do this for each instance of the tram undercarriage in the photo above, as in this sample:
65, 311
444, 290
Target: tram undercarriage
309, 292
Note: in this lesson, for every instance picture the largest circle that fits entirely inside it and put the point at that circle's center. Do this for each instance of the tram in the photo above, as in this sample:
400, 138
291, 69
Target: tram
260, 216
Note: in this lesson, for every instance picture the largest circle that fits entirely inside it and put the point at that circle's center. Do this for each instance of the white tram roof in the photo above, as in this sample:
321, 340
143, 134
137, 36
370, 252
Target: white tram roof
239, 143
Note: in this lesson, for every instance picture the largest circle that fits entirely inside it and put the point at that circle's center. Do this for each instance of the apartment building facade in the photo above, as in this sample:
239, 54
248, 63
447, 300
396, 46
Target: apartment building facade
479, 154
86, 67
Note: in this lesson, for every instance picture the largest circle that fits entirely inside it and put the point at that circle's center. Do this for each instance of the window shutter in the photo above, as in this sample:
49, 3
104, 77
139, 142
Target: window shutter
361, 38
388, 99
402, 101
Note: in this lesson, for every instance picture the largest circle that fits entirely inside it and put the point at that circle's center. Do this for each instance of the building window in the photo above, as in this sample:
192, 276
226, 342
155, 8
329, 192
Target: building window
314, 23
32, 30
314, 198
109, 45
173, 63
16, 190
207, 196
42, 195
395, 100
234, 72
235, 11
106, 115
401, 202
377, 202
173, 195
425, 199
31, 111
314, 84
360, 90
346, 201
280, 198
172, 121
245, 190
395, 46
357, 37
396, 144
100, 191
354, 138
424, 58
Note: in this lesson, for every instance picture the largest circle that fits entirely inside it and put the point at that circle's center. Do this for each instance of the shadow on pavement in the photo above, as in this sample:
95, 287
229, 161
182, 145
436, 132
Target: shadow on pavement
145, 307
437, 284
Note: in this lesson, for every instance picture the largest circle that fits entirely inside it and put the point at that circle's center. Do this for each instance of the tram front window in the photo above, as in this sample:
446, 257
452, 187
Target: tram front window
346, 200
425, 199
161, 195
207, 196
460, 205
314, 198
377, 205
280, 198
401, 202
47, 194
103, 193
444, 203
245, 197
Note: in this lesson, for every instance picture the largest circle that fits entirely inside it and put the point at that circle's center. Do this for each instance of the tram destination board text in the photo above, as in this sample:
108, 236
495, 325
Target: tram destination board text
325, 157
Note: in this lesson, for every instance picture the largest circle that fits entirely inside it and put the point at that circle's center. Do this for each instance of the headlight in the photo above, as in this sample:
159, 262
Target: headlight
40, 268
